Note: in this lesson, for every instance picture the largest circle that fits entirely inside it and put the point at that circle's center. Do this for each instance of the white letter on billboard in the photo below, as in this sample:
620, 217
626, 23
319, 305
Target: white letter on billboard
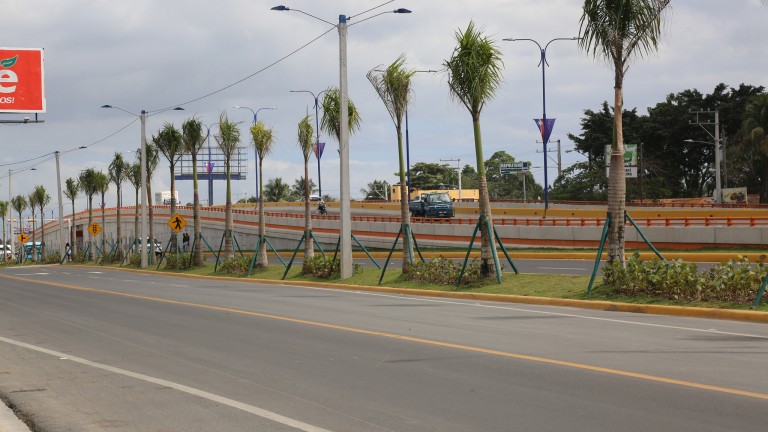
8, 76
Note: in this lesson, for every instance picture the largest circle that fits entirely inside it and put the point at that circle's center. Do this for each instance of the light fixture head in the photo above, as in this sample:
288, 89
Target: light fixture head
106, 106
402, 10
280, 8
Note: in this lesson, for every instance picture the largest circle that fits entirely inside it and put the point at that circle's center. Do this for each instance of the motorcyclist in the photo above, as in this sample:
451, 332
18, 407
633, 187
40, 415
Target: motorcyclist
321, 208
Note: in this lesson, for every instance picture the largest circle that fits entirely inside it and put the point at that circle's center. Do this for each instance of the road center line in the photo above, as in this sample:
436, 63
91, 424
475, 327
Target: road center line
269, 415
536, 359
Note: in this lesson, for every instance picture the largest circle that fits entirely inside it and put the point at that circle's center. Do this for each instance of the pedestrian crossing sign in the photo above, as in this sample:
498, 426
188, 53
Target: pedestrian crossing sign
177, 223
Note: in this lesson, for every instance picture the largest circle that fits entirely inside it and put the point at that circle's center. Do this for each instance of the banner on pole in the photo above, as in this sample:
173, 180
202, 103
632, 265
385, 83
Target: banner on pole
545, 127
318, 149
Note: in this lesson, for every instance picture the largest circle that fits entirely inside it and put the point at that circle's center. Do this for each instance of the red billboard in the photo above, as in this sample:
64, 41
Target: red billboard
22, 87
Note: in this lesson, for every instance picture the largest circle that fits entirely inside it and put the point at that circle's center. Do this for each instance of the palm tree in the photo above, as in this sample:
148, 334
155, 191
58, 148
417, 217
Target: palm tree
618, 30
305, 132
228, 139
170, 144
118, 172
376, 190
474, 75
42, 199
133, 175
89, 187
299, 185
3, 214
330, 122
262, 140
193, 138
152, 161
71, 189
102, 186
754, 130
32, 201
19, 204
393, 86
276, 190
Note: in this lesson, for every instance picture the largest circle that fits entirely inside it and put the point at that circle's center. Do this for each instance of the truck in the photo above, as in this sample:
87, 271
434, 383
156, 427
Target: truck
432, 205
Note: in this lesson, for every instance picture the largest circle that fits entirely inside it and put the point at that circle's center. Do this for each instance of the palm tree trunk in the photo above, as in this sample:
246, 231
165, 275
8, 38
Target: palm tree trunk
21, 245
405, 215
487, 247
34, 237
309, 249
261, 258
151, 213
617, 184
136, 223
72, 234
103, 227
174, 241
119, 229
196, 214
90, 221
229, 251
42, 232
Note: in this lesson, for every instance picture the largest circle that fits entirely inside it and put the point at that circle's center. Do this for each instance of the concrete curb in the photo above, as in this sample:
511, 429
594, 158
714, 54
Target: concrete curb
9, 422
679, 311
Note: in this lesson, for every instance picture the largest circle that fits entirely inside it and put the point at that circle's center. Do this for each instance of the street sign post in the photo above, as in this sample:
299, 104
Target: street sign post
513, 168
177, 223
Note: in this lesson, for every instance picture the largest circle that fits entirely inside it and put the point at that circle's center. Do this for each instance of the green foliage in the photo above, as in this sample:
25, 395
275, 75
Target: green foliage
320, 267
79, 257
277, 190
443, 271
180, 261
237, 265
53, 258
734, 281
135, 260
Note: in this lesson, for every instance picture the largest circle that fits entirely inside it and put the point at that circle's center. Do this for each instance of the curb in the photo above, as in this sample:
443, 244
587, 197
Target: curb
9, 422
678, 311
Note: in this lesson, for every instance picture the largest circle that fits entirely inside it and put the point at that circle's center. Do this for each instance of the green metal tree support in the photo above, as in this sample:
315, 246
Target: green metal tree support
296, 251
484, 220
407, 238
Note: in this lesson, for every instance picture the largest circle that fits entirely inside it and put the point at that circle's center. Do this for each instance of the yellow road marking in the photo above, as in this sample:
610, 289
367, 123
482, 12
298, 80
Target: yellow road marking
418, 340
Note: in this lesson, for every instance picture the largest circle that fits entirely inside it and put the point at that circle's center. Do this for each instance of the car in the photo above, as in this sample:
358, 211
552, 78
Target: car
314, 198
7, 251
158, 247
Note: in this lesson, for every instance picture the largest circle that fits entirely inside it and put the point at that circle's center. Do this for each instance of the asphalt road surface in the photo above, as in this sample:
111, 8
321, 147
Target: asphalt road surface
91, 350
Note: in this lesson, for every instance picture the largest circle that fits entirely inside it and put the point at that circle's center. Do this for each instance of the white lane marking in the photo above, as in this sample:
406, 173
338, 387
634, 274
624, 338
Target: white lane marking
561, 268
269, 415
95, 272
490, 306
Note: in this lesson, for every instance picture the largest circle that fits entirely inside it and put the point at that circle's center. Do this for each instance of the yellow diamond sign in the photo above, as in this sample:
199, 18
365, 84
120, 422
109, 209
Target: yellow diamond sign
23, 238
177, 223
94, 229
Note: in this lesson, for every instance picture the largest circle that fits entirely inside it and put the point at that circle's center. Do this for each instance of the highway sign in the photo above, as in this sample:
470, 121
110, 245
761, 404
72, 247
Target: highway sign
94, 229
513, 167
23, 238
177, 223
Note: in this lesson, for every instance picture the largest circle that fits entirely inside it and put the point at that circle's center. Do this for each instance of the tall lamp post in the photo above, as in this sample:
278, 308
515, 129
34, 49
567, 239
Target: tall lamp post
718, 156
143, 227
318, 150
345, 264
545, 130
255, 152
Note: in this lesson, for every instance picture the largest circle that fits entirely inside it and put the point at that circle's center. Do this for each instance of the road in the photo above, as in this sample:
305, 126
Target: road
88, 350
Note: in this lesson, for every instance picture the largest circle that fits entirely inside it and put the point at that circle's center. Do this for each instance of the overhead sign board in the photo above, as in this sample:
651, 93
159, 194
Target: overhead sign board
513, 167
630, 160
22, 88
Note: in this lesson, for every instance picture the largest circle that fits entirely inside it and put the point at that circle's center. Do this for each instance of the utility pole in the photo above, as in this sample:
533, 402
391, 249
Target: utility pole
458, 171
718, 190
559, 159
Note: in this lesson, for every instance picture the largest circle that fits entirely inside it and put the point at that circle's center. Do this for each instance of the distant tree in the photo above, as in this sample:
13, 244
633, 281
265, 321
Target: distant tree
71, 189
42, 199
754, 141
89, 187
193, 138
276, 190
299, 187
134, 177
170, 144
228, 139
304, 185
32, 201
102, 186
376, 190
425, 176
118, 172
263, 141
19, 204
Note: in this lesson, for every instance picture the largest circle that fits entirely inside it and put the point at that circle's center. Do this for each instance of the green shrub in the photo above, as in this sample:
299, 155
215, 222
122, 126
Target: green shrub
79, 257
443, 271
134, 260
733, 281
180, 261
320, 267
237, 265
53, 258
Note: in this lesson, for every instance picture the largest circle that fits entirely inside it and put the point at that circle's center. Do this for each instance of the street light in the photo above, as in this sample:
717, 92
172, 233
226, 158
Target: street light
143, 228
318, 150
718, 190
255, 152
345, 265
544, 127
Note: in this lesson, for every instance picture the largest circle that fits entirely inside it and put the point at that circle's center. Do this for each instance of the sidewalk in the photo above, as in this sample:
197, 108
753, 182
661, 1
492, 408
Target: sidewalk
9, 422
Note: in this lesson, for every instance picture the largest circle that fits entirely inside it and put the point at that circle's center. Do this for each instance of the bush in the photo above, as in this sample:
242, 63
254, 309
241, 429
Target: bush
237, 265
443, 271
134, 260
320, 267
733, 281
180, 261
79, 257
53, 258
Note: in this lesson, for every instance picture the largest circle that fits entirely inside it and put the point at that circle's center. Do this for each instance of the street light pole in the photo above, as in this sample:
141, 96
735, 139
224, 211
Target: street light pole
62, 243
318, 152
345, 264
544, 124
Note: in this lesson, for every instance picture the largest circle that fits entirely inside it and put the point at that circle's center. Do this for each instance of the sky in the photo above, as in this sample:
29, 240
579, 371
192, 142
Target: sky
208, 57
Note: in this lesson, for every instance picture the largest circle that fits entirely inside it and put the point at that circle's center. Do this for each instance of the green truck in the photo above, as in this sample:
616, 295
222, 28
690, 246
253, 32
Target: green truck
432, 205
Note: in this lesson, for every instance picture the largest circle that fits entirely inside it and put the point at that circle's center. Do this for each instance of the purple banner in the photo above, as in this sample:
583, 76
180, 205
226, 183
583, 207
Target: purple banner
321, 147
